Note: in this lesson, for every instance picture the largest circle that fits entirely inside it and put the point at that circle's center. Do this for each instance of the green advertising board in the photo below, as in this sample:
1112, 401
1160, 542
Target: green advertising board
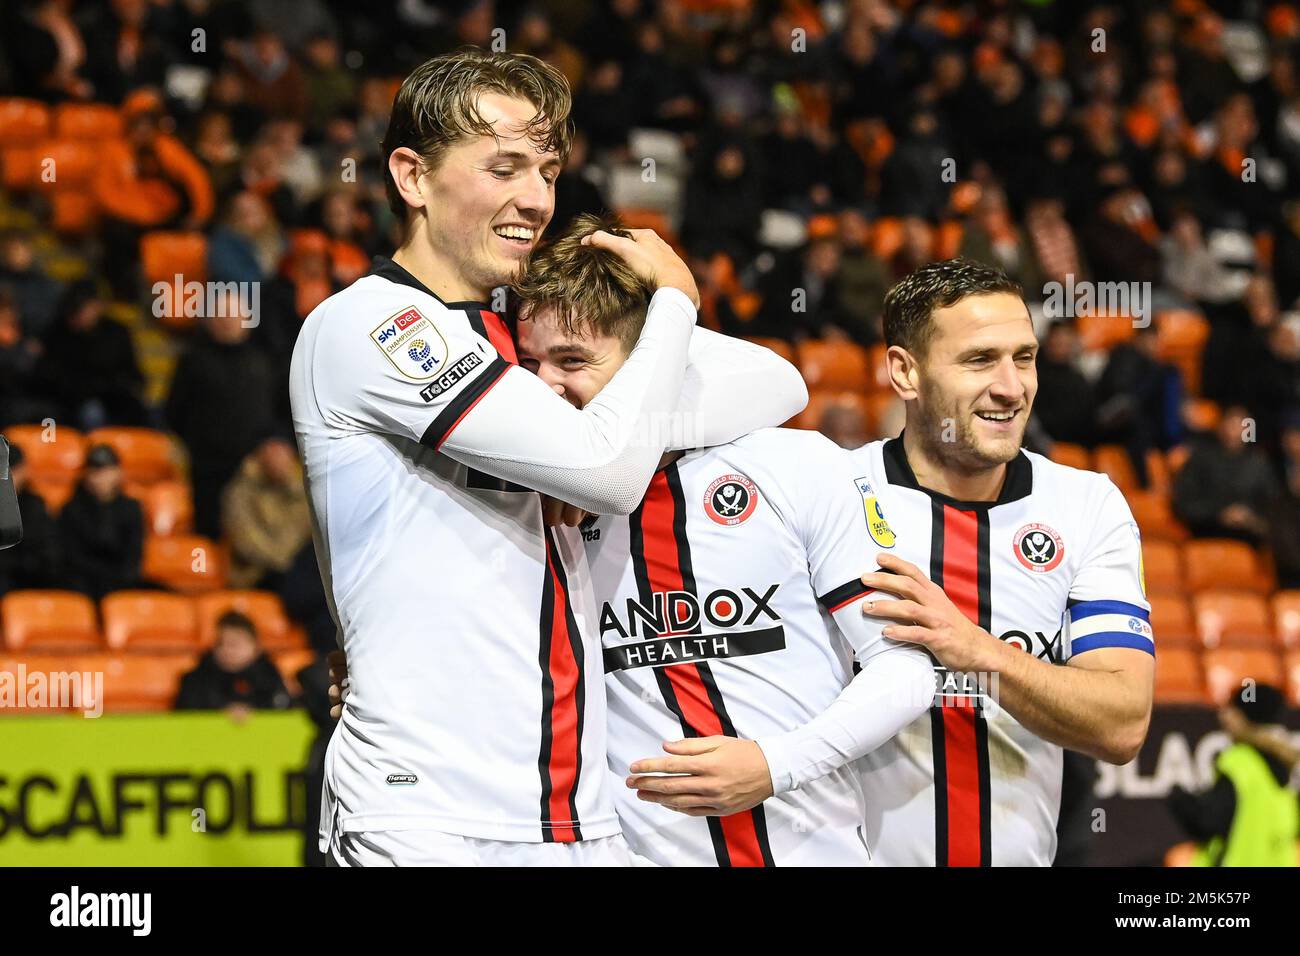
167, 789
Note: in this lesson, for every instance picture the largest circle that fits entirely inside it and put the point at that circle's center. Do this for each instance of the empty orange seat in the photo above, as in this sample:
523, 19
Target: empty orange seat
72, 163
1162, 566
1154, 516
141, 682
886, 237
54, 621
780, 346
947, 238
87, 121
54, 691
1286, 618
23, 121
75, 213
1113, 460
1104, 332
56, 452
1072, 456
151, 622
274, 631
1172, 622
878, 368
289, 663
1232, 619
168, 506
1223, 564
644, 218
1180, 339
1227, 667
1179, 679
1159, 477
21, 166
189, 563
147, 455
165, 256
836, 366
1201, 414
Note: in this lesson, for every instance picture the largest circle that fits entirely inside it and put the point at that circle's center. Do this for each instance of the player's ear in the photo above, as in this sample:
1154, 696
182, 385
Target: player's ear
406, 168
903, 373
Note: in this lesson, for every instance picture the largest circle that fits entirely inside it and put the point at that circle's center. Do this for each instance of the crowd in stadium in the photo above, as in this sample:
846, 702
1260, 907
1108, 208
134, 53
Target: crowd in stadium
805, 155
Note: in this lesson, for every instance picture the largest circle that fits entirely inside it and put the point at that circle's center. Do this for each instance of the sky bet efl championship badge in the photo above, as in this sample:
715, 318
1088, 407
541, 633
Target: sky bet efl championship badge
881, 533
731, 499
1038, 547
412, 343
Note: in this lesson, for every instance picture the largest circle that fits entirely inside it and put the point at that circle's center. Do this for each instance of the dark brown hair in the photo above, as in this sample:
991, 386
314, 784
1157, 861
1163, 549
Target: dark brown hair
910, 305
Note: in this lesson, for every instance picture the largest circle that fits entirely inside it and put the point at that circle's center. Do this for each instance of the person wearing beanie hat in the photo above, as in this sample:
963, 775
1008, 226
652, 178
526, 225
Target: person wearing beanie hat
101, 530
1250, 816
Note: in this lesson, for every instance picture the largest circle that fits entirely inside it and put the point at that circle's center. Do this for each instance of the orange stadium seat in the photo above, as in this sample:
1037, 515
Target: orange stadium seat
1114, 461
1103, 332
1073, 456
73, 162
21, 167
188, 563
1178, 676
1201, 414
168, 506
140, 682
780, 346
886, 237
1223, 564
49, 621
650, 219
274, 631
1154, 516
57, 452
1159, 477
1286, 618
75, 213
886, 412
1172, 622
164, 256
55, 492
1291, 664
838, 366
1162, 566
148, 455
820, 401
150, 622
1180, 339
87, 121
26, 664
289, 663
947, 238
878, 368
23, 121
1232, 619
1227, 667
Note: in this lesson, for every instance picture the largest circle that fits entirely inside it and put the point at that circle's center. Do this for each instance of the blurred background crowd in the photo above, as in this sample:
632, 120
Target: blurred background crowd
802, 155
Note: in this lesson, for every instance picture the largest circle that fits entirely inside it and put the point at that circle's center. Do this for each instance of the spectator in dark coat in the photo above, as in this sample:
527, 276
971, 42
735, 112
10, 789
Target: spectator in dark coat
1064, 404
33, 562
101, 530
236, 675
1227, 488
1139, 400
220, 405
88, 368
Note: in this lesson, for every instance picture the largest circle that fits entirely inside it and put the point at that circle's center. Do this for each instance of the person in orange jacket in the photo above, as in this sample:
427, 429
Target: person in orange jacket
146, 180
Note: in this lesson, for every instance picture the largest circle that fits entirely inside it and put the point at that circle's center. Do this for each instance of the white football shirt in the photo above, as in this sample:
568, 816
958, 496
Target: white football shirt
1052, 567
710, 599
468, 628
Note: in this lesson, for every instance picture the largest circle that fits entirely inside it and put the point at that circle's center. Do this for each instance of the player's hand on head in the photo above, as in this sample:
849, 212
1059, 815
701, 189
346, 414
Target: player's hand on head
713, 776
650, 258
338, 666
924, 614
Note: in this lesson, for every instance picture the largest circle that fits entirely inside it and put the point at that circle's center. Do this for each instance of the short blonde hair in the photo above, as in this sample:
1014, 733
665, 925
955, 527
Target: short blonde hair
437, 105
591, 289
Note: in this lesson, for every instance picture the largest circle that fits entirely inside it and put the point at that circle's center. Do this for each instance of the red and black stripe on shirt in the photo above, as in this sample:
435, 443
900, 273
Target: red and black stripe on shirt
661, 559
959, 563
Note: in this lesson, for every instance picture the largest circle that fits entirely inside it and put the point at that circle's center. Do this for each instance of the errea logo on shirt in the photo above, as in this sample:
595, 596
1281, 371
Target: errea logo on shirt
412, 343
